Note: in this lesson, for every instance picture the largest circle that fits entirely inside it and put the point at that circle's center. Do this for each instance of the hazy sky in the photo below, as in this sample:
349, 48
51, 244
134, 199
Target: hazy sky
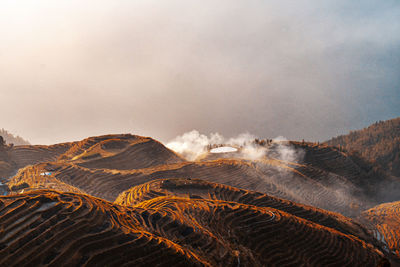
300, 69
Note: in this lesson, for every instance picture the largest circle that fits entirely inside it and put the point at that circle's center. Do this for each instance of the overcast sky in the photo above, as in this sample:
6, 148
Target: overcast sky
299, 69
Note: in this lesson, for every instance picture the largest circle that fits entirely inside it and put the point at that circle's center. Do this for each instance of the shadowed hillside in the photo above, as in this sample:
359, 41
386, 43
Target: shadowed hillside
7, 166
378, 143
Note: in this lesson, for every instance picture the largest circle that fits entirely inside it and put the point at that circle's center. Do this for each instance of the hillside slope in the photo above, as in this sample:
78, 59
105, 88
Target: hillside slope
53, 228
378, 143
7, 166
124, 151
385, 219
303, 184
108, 165
127, 199
201, 189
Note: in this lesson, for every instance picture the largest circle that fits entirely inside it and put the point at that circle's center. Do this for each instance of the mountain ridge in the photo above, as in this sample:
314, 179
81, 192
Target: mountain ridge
378, 143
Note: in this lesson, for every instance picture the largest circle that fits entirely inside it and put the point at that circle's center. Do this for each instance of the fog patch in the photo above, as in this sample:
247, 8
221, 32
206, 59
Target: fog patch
284, 151
193, 144
224, 149
280, 164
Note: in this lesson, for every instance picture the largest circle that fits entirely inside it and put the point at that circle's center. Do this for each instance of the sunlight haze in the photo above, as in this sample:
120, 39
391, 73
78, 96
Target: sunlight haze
300, 69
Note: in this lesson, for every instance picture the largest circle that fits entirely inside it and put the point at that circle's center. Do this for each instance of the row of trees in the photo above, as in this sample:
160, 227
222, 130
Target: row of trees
256, 141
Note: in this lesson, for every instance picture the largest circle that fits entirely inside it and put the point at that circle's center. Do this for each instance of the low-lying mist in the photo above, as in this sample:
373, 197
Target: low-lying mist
192, 145
290, 174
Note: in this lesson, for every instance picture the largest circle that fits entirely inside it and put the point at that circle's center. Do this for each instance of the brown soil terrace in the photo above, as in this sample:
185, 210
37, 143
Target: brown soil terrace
127, 200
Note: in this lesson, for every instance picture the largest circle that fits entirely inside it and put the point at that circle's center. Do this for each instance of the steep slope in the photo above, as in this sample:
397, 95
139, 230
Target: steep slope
13, 158
30, 155
52, 228
385, 219
200, 189
326, 166
378, 143
363, 174
123, 155
124, 151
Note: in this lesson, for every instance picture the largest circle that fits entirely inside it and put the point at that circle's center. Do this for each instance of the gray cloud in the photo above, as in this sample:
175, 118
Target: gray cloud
301, 69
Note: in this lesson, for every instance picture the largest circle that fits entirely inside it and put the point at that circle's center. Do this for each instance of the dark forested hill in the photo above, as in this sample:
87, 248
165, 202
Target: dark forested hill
378, 143
11, 139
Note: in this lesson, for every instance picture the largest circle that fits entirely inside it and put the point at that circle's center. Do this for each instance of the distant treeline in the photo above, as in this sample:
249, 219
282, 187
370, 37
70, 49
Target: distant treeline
256, 141
378, 143
11, 139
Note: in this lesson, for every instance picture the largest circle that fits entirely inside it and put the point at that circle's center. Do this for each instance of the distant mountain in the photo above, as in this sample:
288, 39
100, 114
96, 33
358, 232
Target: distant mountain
11, 139
379, 143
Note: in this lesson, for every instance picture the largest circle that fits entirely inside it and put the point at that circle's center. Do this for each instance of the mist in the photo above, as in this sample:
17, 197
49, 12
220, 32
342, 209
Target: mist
192, 145
278, 161
304, 70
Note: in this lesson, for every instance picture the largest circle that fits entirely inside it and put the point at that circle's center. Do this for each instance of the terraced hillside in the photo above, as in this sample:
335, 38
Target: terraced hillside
106, 166
57, 229
29, 155
121, 152
124, 151
201, 189
315, 188
148, 203
7, 166
385, 219
332, 160
64, 229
